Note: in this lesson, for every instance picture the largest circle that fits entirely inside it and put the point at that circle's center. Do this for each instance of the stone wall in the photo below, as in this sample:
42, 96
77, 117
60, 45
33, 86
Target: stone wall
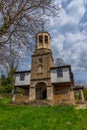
46, 64
61, 97
20, 98
63, 93
61, 90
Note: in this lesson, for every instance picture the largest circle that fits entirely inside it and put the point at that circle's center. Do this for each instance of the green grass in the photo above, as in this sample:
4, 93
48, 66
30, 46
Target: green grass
60, 117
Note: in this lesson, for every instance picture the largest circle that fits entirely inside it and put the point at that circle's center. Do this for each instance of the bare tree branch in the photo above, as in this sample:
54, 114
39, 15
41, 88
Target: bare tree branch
21, 20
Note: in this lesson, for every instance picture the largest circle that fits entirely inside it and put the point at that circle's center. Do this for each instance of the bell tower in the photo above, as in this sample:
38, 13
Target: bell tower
42, 61
43, 40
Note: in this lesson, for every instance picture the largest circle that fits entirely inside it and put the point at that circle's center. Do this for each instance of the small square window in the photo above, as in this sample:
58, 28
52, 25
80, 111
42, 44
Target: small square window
59, 73
40, 60
22, 76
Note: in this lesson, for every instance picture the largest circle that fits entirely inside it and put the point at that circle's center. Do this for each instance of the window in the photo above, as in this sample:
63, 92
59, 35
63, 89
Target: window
46, 39
40, 69
22, 77
59, 73
41, 39
40, 60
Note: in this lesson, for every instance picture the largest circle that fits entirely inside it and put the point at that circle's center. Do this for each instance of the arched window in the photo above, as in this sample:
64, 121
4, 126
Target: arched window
40, 69
46, 39
41, 39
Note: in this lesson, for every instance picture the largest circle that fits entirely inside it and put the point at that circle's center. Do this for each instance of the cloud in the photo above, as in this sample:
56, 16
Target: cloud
69, 34
71, 16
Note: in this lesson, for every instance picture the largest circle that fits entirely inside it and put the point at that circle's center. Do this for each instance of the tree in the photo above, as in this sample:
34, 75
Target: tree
6, 84
20, 21
22, 18
10, 57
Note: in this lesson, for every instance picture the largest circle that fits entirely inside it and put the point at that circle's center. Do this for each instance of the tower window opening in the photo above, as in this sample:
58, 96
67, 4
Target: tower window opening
40, 60
41, 39
40, 69
46, 39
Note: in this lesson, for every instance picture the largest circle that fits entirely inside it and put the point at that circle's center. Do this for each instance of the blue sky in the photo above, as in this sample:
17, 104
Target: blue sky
69, 36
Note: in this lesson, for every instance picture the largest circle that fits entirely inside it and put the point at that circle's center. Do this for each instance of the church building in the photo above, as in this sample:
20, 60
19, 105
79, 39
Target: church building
44, 81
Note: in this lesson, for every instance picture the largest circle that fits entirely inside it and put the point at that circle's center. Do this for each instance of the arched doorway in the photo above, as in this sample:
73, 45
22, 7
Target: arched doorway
41, 91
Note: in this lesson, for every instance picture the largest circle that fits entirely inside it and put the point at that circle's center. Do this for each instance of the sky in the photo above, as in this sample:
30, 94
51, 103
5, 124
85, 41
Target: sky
69, 36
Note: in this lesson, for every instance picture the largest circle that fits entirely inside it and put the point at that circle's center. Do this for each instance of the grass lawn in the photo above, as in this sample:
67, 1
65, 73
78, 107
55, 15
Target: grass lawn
14, 117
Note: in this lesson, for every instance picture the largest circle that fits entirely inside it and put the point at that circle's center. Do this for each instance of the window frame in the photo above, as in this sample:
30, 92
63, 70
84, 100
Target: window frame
59, 73
40, 39
46, 39
40, 60
22, 76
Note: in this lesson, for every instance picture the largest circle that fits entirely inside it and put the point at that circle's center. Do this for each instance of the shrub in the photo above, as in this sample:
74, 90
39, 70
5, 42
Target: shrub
6, 84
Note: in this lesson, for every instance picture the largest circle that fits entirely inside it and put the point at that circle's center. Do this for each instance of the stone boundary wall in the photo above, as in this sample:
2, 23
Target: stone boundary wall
61, 97
21, 99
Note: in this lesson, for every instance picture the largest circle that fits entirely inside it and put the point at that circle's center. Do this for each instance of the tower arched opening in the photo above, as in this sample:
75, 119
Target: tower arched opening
41, 91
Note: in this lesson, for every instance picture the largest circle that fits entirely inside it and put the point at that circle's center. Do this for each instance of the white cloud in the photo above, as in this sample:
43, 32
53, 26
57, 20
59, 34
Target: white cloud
85, 2
69, 41
71, 48
76, 10
72, 15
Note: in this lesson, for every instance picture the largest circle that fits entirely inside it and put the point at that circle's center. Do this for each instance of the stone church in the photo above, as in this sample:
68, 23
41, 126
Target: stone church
44, 81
